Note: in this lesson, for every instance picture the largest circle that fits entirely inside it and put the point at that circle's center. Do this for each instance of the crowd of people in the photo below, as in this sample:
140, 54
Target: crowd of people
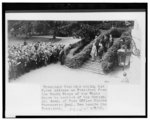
28, 56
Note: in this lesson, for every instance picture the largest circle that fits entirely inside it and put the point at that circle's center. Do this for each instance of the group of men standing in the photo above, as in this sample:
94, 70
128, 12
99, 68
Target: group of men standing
101, 46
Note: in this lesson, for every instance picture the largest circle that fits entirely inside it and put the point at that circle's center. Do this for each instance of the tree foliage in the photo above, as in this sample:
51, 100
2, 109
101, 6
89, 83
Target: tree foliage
83, 29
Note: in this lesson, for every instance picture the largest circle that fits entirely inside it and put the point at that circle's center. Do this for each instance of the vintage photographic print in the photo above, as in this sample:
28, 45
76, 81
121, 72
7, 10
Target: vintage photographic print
75, 63
108, 48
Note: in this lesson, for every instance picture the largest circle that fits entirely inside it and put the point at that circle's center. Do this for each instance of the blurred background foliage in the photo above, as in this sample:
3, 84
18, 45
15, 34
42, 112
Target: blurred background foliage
79, 29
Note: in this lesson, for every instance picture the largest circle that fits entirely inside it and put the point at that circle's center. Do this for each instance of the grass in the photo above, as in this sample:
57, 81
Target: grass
15, 41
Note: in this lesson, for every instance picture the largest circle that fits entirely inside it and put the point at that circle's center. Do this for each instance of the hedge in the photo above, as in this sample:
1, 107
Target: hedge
110, 58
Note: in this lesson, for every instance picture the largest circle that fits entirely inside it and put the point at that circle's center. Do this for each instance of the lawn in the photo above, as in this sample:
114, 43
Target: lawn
58, 40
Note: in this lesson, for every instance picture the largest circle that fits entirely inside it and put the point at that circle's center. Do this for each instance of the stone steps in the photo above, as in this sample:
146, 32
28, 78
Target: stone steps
94, 67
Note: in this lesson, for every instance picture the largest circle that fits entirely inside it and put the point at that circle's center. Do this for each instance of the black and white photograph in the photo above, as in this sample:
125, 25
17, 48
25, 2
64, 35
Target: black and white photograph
75, 63
100, 47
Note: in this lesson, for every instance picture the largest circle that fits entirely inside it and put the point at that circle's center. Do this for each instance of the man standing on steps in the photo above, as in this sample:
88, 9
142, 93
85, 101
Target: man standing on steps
93, 52
104, 42
100, 50
61, 56
111, 40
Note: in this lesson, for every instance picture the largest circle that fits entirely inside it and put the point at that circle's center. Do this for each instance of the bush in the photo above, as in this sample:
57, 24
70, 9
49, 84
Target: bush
78, 59
107, 66
116, 32
127, 38
87, 31
110, 58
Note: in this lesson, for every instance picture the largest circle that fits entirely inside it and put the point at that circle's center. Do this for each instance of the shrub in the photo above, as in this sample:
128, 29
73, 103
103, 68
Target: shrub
117, 32
107, 66
127, 38
78, 59
110, 58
